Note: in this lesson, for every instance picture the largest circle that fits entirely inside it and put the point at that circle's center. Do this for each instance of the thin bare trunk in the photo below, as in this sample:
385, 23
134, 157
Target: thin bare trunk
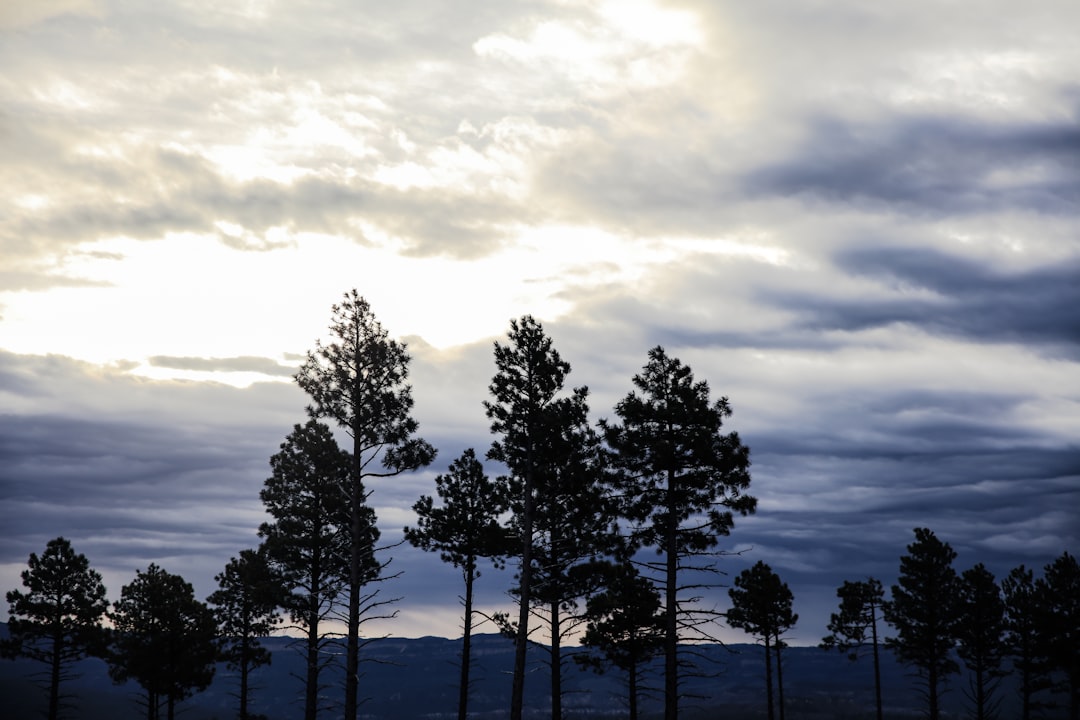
466, 644
671, 634
517, 699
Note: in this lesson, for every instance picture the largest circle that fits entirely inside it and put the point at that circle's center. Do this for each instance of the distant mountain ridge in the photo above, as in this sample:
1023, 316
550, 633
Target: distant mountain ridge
407, 679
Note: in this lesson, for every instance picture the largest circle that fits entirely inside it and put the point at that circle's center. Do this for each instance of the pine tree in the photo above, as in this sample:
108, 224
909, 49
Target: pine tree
529, 377
681, 479
924, 613
624, 625
307, 541
245, 607
979, 636
860, 610
1059, 597
57, 621
465, 528
761, 606
1023, 626
164, 639
360, 381
573, 527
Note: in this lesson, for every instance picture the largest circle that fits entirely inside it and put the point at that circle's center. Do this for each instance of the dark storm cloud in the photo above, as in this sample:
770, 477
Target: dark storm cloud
933, 165
134, 471
947, 294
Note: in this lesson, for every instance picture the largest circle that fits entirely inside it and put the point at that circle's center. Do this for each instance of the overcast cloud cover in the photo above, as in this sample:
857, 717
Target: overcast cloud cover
858, 221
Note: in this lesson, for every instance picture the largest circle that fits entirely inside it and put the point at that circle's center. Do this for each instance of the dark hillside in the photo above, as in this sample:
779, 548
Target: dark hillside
415, 678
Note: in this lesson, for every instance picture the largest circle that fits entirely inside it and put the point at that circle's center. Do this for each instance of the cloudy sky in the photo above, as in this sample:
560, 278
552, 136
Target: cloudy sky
858, 221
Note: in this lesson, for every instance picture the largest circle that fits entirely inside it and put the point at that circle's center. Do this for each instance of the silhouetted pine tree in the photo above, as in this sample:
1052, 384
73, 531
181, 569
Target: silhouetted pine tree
624, 625
245, 608
1059, 597
57, 621
163, 638
528, 380
1023, 626
307, 542
360, 381
465, 528
681, 479
761, 606
924, 613
980, 638
855, 625
573, 526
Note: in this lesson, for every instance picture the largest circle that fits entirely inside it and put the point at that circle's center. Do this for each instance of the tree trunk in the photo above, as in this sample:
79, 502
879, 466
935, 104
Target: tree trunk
352, 644
633, 691
877, 663
311, 690
980, 695
466, 642
768, 678
244, 651
517, 698
54, 684
671, 632
932, 683
556, 664
779, 678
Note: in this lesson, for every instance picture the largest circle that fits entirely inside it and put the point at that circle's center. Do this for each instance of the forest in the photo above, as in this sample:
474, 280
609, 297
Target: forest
612, 532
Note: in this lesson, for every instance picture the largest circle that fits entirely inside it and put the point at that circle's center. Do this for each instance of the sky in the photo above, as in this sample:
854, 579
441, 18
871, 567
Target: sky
859, 222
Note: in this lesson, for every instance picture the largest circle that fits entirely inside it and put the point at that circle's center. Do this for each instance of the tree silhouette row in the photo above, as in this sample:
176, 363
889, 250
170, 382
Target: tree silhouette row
613, 531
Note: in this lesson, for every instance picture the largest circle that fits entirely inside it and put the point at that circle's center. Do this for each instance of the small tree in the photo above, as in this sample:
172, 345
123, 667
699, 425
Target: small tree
307, 542
464, 529
761, 606
923, 610
360, 381
682, 480
1023, 626
855, 625
58, 620
1059, 597
246, 609
164, 639
624, 626
980, 642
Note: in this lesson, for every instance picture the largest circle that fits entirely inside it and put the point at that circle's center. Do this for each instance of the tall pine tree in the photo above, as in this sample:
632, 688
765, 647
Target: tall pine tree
1059, 597
573, 527
307, 540
359, 379
924, 611
527, 383
980, 638
682, 479
856, 625
1024, 626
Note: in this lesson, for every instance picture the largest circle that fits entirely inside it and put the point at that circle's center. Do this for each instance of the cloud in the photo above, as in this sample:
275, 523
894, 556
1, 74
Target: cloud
857, 221
264, 366
23, 13
944, 293
933, 165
